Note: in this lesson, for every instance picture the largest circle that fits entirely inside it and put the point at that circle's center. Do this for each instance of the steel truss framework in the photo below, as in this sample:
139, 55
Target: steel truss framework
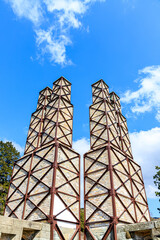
45, 184
114, 188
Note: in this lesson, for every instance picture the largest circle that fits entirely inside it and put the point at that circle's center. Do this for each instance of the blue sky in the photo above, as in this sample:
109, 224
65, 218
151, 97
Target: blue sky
117, 40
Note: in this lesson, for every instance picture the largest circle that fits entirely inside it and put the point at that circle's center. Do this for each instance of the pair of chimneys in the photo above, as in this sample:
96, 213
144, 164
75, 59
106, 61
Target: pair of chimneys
45, 184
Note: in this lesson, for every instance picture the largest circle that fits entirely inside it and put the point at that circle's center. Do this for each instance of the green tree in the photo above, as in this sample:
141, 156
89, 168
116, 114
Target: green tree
8, 154
157, 182
82, 219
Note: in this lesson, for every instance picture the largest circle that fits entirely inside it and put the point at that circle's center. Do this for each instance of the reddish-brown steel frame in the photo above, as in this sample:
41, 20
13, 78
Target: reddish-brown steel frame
39, 134
112, 193
39, 180
41, 122
52, 190
131, 181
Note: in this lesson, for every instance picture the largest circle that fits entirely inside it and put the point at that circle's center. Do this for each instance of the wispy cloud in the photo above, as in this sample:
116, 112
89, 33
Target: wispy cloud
54, 46
147, 97
31, 10
52, 22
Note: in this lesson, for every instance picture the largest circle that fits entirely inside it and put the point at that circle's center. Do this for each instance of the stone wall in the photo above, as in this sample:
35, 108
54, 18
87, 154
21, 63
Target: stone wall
139, 231
15, 229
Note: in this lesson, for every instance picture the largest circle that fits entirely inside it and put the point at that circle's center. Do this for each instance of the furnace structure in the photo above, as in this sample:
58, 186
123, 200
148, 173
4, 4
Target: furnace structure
114, 188
45, 184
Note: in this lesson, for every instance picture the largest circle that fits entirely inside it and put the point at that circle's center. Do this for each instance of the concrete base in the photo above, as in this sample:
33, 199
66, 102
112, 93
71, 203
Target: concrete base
15, 229
139, 231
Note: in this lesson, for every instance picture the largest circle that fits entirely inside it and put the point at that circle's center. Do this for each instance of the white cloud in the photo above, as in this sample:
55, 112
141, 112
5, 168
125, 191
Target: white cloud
55, 47
146, 152
52, 21
147, 97
29, 9
67, 11
82, 146
16, 145
150, 189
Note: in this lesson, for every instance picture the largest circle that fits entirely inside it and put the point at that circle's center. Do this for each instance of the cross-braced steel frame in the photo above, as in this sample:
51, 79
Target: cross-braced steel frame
114, 188
45, 184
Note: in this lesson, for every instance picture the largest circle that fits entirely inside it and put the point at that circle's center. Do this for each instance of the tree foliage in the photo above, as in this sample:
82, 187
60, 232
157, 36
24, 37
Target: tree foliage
8, 154
157, 182
82, 219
